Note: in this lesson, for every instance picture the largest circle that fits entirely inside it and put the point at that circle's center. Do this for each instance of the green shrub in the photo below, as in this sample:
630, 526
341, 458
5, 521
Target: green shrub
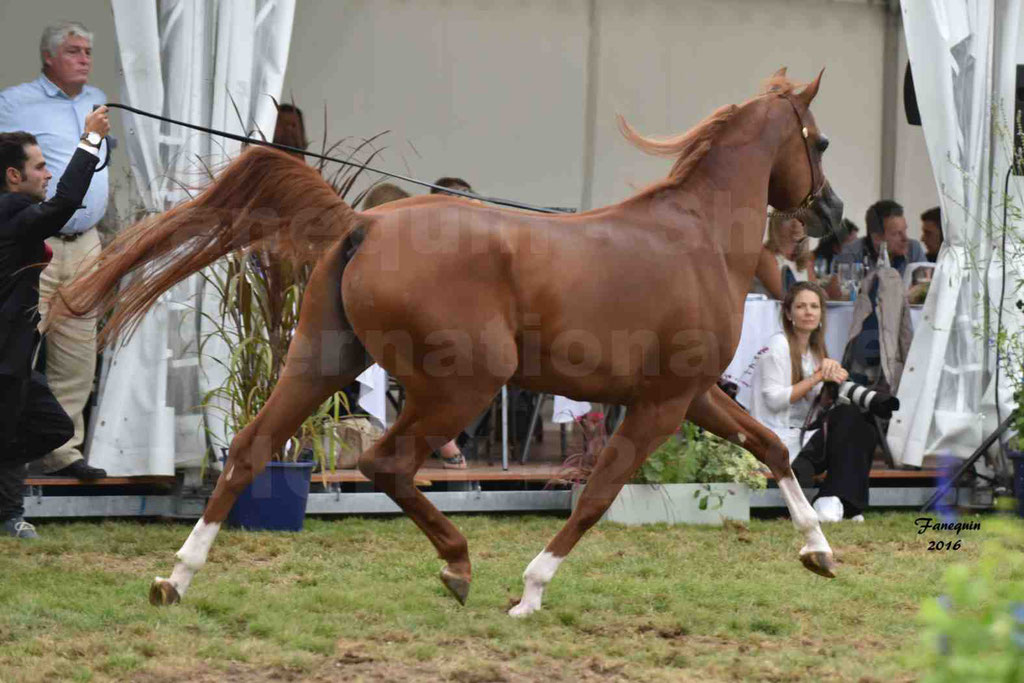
975, 631
692, 455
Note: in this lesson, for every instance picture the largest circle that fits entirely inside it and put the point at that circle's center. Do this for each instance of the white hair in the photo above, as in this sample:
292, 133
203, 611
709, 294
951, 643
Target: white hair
54, 36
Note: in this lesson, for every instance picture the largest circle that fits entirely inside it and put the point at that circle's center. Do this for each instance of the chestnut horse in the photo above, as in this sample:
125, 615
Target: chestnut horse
638, 304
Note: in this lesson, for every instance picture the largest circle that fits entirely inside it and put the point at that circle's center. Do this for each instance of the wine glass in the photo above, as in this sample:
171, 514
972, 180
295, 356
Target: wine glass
845, 273
857, 274
821, 267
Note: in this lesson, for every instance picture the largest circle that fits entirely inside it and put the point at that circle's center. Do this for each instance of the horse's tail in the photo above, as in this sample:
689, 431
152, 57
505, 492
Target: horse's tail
265, 198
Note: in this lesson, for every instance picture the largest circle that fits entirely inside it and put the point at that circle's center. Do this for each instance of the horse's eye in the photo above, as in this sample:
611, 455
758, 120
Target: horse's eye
822, 143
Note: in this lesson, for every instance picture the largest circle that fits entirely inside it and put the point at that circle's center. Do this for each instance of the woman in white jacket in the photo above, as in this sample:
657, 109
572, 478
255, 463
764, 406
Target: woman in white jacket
787, 380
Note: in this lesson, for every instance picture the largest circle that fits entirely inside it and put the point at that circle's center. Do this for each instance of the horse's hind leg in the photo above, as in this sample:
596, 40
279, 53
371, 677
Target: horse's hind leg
720, 415
291, 402
324, 357
425, 424
645, 427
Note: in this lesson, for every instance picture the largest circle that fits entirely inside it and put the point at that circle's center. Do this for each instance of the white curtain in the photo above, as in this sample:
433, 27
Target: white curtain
963, 57
209, 62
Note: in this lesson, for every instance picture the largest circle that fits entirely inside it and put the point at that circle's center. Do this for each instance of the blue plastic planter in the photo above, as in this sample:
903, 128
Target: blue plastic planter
1017, 458
275, 500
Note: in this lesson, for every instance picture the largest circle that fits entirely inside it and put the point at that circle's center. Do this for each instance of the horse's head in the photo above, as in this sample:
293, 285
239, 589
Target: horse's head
797, 184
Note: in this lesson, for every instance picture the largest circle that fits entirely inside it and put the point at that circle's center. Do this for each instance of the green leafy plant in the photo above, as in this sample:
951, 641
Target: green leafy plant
975, 631
692, 455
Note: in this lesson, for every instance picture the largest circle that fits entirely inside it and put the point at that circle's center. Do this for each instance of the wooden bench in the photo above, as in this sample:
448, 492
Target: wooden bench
428, 475
885, 473
105, 481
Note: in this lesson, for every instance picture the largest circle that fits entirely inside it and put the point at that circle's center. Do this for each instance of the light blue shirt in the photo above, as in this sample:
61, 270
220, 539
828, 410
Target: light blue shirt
41, 108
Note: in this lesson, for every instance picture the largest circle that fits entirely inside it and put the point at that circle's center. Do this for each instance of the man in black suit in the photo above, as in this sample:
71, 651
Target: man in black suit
32, 423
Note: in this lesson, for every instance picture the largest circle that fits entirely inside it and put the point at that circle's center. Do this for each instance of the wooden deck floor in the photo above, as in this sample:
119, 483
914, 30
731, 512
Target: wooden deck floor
433, 472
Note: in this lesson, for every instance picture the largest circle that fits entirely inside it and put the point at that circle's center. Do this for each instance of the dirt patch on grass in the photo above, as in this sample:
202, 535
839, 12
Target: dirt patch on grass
140, 565
347, 667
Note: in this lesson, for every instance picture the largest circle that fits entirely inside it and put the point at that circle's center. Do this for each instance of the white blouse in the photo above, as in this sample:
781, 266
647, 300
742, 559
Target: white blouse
772, 386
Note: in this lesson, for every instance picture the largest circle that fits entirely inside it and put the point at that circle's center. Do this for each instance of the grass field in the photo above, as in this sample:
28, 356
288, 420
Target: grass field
358, 599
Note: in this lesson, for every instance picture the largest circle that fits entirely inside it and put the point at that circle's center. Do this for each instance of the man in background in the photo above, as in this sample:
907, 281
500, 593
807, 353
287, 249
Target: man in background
53, 108
452, 184
931, 232
885, 224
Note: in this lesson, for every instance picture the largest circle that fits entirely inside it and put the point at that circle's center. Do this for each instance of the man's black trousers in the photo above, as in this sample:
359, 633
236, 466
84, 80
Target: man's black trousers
32, 424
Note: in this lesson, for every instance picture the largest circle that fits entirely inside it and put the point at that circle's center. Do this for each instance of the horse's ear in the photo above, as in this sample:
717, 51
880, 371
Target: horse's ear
808, 93
775, 83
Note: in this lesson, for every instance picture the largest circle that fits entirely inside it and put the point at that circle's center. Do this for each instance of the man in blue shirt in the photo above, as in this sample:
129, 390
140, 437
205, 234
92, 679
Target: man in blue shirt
53, 108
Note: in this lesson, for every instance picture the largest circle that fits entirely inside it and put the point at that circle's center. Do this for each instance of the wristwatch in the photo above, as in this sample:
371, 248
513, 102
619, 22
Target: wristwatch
92, 139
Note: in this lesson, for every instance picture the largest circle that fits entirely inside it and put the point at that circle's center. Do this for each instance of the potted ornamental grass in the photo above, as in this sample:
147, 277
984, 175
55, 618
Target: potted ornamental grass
260, 294
260, 297
693, 478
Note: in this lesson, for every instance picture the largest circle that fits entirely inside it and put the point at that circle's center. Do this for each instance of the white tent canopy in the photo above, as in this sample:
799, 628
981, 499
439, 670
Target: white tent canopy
963, 57
192, 60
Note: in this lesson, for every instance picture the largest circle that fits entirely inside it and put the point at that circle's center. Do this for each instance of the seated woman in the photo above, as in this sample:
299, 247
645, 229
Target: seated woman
786, 259
787, 379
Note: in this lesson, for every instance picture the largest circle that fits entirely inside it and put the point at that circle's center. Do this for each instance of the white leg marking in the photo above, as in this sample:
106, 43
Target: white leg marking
192, 555
741, 438
537, 575
805, 519
227, 475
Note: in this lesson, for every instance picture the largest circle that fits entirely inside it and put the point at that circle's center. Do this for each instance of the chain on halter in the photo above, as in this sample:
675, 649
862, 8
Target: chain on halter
813, 195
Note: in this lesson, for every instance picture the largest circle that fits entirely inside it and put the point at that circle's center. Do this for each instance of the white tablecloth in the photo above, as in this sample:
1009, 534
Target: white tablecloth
762, 319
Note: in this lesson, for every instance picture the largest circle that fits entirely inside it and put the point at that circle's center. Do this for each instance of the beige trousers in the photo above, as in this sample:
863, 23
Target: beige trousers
70, 346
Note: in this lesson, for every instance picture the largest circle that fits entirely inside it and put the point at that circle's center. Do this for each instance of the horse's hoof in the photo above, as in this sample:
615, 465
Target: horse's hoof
457, 585
163, 592
821, 563
523, 609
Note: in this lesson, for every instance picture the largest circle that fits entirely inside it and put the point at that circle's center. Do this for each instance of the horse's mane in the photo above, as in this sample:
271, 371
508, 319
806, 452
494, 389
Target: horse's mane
693, 145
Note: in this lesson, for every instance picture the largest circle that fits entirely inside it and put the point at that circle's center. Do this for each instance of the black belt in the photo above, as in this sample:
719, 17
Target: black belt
72, 237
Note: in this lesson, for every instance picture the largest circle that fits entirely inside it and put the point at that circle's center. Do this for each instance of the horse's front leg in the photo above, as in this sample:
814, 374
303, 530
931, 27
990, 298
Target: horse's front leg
645, 427
720, 415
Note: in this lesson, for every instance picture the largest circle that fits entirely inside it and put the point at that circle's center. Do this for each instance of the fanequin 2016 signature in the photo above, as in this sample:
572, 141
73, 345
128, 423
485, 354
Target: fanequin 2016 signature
928, 523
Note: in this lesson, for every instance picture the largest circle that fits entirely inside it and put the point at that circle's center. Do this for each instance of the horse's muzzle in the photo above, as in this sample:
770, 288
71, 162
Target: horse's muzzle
825, 214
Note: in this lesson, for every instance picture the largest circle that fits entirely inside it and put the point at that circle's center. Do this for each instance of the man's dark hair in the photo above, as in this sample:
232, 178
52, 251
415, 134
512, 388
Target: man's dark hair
827, 246
12, 153
878, 212
454, 183
830, 244
933, 215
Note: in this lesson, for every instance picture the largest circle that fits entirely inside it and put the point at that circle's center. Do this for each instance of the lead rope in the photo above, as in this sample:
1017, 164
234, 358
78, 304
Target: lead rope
296, 150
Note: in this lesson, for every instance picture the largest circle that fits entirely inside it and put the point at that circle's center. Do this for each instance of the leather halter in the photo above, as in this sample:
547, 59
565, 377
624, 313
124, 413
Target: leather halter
813, 195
